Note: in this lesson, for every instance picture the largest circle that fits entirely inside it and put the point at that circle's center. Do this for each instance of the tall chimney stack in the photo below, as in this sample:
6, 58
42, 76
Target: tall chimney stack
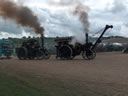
42, 40
87, 38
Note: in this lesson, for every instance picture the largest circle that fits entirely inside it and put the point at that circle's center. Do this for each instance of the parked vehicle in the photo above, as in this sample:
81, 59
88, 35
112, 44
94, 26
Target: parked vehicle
6, 48
31, 49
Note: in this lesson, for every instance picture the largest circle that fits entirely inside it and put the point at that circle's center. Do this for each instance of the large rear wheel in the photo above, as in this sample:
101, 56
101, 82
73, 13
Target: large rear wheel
65, 52
22, 53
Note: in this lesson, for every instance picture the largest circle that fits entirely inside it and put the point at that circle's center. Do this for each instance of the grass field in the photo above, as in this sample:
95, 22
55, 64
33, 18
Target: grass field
32, 86
104, 76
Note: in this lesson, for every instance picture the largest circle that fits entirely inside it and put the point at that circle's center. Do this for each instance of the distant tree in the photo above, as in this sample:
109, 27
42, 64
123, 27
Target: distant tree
10, 38
24, 37
29, 37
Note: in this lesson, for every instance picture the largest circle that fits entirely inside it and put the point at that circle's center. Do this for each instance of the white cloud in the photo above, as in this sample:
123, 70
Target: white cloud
58, 21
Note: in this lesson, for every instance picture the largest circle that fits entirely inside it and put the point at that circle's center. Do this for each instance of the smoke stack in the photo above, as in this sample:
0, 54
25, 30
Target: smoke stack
86, 38
42, 40
24, 16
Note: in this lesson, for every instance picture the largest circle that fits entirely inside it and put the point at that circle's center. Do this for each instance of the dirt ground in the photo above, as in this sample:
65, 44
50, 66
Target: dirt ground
107, 74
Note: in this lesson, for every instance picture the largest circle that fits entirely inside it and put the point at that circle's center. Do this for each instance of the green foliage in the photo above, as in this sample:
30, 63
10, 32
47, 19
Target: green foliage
32, 86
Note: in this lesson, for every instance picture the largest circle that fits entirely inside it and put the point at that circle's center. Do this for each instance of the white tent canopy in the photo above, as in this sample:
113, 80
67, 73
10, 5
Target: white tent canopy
116, 40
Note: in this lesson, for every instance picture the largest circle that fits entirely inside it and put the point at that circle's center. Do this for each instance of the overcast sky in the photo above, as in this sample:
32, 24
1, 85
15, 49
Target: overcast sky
59, 21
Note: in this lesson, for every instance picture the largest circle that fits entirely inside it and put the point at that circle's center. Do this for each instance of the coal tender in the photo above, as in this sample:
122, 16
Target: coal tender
31, 49
65, 50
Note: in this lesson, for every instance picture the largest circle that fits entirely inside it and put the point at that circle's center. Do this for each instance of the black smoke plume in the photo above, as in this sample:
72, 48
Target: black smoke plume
9, 9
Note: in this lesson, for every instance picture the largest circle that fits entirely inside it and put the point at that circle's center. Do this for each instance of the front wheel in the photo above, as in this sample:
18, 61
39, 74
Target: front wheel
46, 54
22, 53
89, 54
40, 55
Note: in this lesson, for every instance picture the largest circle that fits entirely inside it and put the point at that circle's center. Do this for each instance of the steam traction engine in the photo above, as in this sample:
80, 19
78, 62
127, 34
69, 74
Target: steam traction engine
31, 49
65, 50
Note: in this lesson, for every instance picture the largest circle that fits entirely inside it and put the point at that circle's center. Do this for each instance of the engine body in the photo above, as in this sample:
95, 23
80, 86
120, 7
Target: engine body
31, 49
66, 50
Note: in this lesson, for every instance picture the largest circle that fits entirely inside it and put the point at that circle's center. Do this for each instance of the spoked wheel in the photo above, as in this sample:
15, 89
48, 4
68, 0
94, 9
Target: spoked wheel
89, 54
40, 55
65, 52
22, 53
46, 54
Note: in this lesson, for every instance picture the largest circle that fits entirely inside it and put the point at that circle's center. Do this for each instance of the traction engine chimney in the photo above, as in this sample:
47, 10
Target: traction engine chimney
42, 40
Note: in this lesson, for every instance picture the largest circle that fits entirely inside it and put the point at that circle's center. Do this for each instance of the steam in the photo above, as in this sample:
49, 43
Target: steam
79, 10
21, 14
82, 11
66, 2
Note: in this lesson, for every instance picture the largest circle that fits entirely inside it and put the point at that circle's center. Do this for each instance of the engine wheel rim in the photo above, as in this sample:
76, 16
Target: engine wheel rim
65, 52
89, 54
46, 55
22, 54
40, 55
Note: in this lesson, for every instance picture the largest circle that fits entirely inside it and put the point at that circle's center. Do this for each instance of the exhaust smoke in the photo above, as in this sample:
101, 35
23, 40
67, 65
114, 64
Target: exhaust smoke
24, 16
79, 10
82, 11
